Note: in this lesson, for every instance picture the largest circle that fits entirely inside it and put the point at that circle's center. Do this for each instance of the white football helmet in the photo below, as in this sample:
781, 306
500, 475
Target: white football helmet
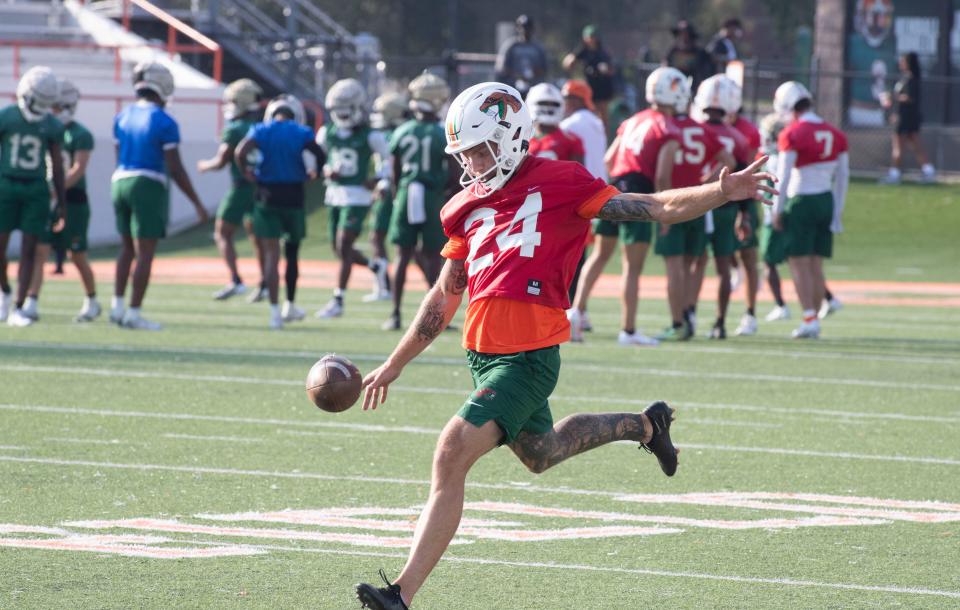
67, 97
347, 103
240, 97
668, 87
285, 102
787, 96
716, 92
494, 115
154, 77
428, 93
388, 111
37, 92
546, 104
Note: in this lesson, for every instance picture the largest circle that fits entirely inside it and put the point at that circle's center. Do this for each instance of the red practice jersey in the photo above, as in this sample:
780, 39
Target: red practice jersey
813, 141
557, 145
640, 139
732, 140
749, 131
698, 147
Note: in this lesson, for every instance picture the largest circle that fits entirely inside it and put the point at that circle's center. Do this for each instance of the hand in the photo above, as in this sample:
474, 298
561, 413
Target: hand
202, 166
250, 176
745, 184
743, 228
59, 220
311, 175
328, 172
202, 215
375, 385
836, 227
778, 222
664, 229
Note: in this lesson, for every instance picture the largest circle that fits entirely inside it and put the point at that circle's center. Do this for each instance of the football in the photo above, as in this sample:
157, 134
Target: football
334, 383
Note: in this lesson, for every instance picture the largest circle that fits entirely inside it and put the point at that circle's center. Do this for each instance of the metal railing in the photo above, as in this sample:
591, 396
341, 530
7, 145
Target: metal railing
175, 29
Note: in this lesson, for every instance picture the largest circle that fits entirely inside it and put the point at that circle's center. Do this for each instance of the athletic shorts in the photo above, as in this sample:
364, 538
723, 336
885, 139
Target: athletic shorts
773, 244
73, 237
683, 239
24, 205
429, 233
347, 218
382, 213
806, 222
141, 206
512, 390
278, 212
237, 205
723, 240
753, 216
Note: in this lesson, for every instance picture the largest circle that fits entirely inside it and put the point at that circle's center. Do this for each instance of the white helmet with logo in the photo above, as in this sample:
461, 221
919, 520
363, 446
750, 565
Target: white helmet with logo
787, 96
717, 92
153, 76
288, 103
494, 115
668, 87
37, 92
545, 103
67, 98
347, 103
388, 111
428, 93
240, 97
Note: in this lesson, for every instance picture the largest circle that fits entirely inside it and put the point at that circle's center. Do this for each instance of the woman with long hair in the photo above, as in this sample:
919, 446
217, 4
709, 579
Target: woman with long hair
906, 101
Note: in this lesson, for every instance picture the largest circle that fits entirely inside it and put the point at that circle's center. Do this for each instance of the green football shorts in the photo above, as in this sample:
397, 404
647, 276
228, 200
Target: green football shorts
24, 205
806, 221
141, 206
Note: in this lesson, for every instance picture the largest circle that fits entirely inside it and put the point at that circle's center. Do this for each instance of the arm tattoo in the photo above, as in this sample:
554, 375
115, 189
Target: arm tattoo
457, 280
626, 209
429, 323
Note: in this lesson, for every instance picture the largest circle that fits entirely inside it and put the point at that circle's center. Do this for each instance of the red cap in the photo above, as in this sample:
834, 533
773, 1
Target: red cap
579, 88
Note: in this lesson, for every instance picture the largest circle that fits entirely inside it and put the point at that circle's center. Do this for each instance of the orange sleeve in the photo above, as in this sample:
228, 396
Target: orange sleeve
591, 207
455, 249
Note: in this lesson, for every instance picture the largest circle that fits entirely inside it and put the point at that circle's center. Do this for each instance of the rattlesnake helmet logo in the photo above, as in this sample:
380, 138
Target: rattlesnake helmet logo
500, 100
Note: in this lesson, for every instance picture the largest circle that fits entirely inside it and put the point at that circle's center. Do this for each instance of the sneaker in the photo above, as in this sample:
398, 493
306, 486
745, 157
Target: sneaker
830, 306
18, 319
892, 177
292, 313
333, 309
585, 324
675, 334
381, 270
635, 338
6, 299
138, 323
660, 416
575, 318
377, 295
258, 295
116, 315
31, 309
747, 326
778, 313
380, 598
89, 312
228, 291
691, 325
276, 320
807, 330
392, 323
718, 332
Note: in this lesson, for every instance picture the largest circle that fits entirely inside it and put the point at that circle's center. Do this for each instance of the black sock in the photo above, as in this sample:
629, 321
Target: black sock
750, 312
236, 279
631, 331
828, 295
721, 320
677, 324
92, 295
780, 302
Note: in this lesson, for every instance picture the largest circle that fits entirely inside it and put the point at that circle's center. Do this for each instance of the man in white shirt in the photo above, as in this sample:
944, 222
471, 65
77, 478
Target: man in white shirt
583, 122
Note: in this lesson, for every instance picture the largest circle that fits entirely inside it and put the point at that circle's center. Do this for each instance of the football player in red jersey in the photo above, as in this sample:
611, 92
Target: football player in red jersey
683, 244
549, 141
640, 160
515, 234
712, 98
815, 168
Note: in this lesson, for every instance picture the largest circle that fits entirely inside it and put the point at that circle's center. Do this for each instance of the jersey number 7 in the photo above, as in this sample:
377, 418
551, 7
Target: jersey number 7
527, 239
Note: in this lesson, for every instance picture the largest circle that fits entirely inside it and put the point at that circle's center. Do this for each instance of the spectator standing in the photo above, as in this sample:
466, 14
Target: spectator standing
521, 61
906, 101
597, 68
686, 56
582, 121
723, 46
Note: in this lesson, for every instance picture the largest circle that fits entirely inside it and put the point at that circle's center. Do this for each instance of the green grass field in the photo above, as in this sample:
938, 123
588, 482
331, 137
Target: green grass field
149, 470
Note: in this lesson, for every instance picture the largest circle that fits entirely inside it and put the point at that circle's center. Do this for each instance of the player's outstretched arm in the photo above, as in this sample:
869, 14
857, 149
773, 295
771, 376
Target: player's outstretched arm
436, 311
222, 158
179, 175
679, 205
56, 167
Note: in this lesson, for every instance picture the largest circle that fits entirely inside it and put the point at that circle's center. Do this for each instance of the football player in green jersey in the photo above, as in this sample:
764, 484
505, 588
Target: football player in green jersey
241, 109
350, 144
28, 133
421, 178
390, 110
77, 147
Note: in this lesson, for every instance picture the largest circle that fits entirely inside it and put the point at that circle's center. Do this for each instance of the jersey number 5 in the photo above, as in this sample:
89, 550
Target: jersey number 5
527, 239
693, 150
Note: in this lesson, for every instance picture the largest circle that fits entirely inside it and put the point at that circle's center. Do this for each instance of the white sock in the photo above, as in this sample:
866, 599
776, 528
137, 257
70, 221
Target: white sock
809, 313
116, 302
30, 303
337, 293
288, 304
88, 301
927, 169
274, 309
134, 312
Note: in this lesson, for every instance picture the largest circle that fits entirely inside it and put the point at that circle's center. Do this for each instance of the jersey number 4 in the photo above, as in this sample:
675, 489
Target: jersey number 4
527, 239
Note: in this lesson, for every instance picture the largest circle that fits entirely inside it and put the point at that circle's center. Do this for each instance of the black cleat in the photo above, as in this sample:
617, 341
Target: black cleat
380, 598
660, 416
718, 332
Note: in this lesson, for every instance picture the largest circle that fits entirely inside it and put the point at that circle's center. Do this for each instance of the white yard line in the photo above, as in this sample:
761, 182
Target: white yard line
790, 582
635, 371
86, 441
226, 439
828, 454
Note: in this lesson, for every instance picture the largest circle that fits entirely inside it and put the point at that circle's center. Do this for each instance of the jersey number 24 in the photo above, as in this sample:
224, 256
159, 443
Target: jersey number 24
527, 239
